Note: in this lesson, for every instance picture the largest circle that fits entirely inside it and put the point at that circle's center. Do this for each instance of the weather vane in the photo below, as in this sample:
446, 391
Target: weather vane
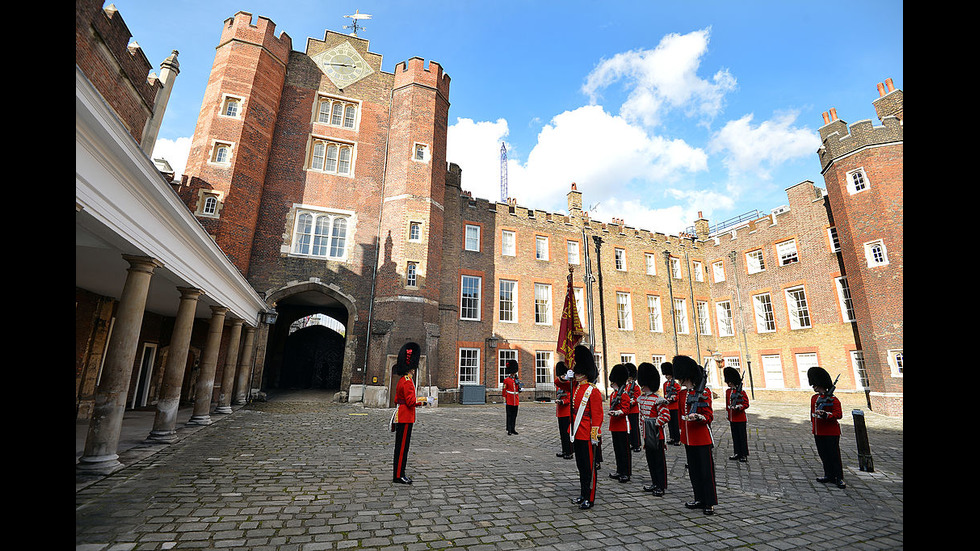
355, 16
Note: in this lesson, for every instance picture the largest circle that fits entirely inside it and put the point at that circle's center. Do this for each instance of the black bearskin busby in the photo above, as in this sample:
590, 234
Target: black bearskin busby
630, 370
648, 376
408, 358
818, 376
667, 369
511, 367
618, 375
585, 363
732, 376
686, 369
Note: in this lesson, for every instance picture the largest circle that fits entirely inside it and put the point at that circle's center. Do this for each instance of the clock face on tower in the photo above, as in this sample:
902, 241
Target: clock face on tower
343, 65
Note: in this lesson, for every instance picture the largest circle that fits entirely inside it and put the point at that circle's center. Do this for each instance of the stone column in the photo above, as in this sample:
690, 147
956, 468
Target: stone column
209, 364
165, 422
228, 375
105, 426
245, 368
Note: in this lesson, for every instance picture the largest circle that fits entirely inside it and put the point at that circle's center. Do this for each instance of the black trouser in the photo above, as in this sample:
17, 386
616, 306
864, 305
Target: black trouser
634, 430
585, 461
829, 449
566, 442
672, 426
403, 439
701, 467
511, 418
624, 461
657, 462
740, 440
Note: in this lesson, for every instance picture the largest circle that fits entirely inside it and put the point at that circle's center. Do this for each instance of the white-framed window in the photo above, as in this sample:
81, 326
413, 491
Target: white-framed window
675, 267
503, 355
627, 358
651, 263
469, 366
765, 319
718, 270
844, 298
657, 360
654, 314
337, 112
875, 253
573, 257
896, 362
472, 240
804, 361
726, 324
541, 247
772, 369
860, 372
469, 297
221, 153
542, 304
733, 362
703, 318
412, 274
210, 205
799, 313
331, 157
698, 269
624, 311
754, 262
543, 369
507, 301
834, 240
508, 243
415, 231
620, 257
321, 233
421, 153
680, 315
231, 106
786, 252
583, 315
857, 181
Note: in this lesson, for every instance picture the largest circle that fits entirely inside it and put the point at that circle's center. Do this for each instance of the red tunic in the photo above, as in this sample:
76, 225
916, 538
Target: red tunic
511, 397
825, 426
695, 433
736, 415
634, 390
619, 401
592, 416
562, 403
671, 402
649, 408
405, 400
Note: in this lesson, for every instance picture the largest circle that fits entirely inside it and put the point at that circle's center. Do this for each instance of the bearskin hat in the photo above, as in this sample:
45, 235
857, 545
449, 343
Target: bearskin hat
585, 363
667, 369
511, 367
818, 376
408, 358
648, 376
630, 370
618, 374
686, 369
732, 376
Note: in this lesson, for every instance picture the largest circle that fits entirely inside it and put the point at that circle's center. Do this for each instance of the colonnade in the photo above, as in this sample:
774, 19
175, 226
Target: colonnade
101, 443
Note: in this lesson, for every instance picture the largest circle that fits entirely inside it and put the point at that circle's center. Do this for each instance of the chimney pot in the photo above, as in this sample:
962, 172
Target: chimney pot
890, 84
881, 90
833, 113
826, 118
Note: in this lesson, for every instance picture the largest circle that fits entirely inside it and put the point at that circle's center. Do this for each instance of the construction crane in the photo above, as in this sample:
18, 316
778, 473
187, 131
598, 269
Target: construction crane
355, 16
503, 173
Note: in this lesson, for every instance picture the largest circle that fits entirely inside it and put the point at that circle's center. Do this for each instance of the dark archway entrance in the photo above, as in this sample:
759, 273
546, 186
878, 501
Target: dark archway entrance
313, 358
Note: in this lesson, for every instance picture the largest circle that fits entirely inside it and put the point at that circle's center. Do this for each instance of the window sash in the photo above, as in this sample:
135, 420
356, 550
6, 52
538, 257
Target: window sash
573, 252
541, 248
542, 304
787, 252
624, 311
507, 243
726, 326
754, 262
765, 321
508, 300
469, 300
542, 368
653, 313
680, 314
411, 274
472, 241
469, 366
704, 325
799, 314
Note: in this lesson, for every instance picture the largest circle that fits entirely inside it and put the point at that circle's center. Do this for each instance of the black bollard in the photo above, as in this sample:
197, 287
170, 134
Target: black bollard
865, 461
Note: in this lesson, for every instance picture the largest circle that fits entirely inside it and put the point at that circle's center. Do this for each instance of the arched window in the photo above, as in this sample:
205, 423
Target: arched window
335, 113
331, 157
349, 112
210, 205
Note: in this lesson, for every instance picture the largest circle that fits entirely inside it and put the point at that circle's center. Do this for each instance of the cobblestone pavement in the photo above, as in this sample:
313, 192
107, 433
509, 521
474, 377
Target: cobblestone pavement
303, 473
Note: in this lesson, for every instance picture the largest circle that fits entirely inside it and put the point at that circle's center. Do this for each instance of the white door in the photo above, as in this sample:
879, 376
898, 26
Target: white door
772, 367
804, 362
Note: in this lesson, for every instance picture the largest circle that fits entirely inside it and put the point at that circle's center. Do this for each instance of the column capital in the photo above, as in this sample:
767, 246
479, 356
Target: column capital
190, 292
219, 310
142, 263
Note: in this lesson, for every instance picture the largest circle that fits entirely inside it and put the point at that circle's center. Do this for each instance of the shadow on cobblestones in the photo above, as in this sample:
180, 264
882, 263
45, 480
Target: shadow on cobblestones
304, 473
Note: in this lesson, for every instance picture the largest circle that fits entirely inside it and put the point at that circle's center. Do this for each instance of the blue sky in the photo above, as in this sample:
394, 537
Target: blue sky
656, 109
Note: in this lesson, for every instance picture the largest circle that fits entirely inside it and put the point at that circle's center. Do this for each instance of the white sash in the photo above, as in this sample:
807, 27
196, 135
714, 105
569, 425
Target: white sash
581, 409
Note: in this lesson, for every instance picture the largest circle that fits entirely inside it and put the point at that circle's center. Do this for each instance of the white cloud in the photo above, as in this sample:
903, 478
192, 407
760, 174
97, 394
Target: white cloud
475, 147
664, 78
754, 151
174, 151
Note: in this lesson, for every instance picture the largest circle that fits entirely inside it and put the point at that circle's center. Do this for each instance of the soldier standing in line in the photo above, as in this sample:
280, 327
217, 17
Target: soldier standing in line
825, 411
671, 388
633, 390
586, 421
619, 405
563, 377
405, 403
654, 415
695, 414
736, 402
512, 399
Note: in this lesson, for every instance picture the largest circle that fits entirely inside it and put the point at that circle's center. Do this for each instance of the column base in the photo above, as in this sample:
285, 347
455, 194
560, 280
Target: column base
199, 420
162, 437
223, 409
98, 465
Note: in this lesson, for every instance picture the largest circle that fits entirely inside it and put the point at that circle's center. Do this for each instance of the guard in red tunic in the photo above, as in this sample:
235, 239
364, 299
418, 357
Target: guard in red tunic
633, 390
405, 404
563, 410
619, 425
654, 416
671, 388
586, 421
736, 402
825, 412
695, 415
512, 397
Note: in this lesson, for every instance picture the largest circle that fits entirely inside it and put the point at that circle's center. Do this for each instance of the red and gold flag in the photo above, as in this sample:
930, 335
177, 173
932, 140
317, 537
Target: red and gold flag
570, 329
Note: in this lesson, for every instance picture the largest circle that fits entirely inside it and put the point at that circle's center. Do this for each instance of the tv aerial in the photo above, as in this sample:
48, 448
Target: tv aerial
357, 15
